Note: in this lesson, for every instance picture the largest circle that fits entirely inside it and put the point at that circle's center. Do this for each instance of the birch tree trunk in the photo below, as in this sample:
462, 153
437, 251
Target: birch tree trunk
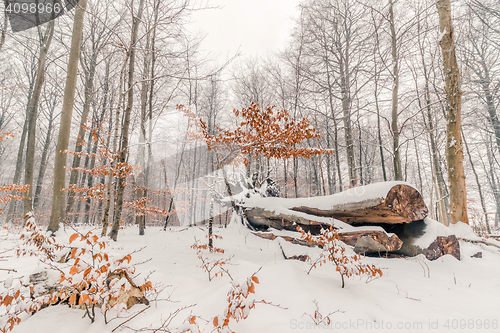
454, 148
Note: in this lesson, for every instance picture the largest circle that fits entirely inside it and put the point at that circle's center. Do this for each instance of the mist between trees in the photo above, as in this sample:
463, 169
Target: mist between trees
88, 103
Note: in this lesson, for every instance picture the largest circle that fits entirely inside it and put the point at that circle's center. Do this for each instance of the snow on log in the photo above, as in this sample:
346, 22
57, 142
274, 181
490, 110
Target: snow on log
386, 202
402, 204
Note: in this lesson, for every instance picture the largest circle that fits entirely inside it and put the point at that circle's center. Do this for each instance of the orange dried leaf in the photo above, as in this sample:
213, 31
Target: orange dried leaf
251, 289
73, 270
73, 237
7, 300
255, 279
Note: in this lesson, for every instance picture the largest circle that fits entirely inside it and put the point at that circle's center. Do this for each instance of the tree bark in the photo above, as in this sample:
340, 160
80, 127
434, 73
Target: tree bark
481, 198
399, 205
43, 160
73, 178
398, 172
114, 160
454, 150
120, 189
4, 30
45, 41
66, 116
490, 104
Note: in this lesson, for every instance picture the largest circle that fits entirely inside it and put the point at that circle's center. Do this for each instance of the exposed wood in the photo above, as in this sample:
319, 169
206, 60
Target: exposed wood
271, 236
441, 246
261, 218
403, 204
477, 255
364, 241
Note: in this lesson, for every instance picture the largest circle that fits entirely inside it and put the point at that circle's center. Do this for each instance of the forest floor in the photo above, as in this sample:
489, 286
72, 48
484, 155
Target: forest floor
413, 295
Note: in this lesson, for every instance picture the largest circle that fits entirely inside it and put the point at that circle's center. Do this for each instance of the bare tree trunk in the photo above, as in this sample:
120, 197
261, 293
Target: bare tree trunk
442, 199
73, 178
113, 234
490, 104
66, 116
295, 176
493, 180
43, 160
379, 129
45, 41
4, 30
114, 160
335, 125
330, 173
481, 198
398, 173
141, 192
90, 182
417, 155
454, 150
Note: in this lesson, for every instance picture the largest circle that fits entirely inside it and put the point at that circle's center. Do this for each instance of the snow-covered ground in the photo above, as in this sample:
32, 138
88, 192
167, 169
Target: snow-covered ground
413, 295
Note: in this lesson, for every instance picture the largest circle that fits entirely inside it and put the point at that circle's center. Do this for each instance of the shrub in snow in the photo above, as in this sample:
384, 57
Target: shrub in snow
238, 304
82, 274
318, 318
335, 251
210, 262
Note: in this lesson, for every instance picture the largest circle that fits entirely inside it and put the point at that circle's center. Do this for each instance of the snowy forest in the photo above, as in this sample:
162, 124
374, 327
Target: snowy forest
119, 131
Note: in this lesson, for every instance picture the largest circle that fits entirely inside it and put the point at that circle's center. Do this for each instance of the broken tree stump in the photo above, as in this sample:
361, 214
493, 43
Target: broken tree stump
441, 246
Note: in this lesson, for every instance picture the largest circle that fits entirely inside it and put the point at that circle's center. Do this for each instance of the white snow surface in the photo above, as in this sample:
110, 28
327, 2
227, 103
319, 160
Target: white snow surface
413, 295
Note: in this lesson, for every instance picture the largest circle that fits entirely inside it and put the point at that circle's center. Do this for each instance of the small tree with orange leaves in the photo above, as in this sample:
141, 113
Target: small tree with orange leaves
335, 251
268, 132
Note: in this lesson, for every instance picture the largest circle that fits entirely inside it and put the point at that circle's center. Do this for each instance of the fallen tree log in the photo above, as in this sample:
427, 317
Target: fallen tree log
364, 241
397, 208
262, 219
402, 204
382, 203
